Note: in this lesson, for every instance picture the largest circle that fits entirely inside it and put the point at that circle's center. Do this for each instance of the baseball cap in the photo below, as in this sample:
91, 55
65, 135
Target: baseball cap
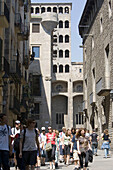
49, 127
43, 128
17, 122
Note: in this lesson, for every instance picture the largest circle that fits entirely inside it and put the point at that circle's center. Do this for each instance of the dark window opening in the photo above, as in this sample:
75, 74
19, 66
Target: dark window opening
55, 69
61, 10
48, 9
60, 24
67, 10
67, 54
60, 53
60, 68
67, 39
32, 10
37, 10
67, 69
66, 24
55, 9
60, 39
42, 9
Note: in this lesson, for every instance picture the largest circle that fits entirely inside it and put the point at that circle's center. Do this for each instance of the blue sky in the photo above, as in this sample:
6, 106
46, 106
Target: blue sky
77, 9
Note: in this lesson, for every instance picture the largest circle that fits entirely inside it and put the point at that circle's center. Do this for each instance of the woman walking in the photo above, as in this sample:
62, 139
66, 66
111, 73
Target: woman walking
50, 137
66, 146
82, 147
106, 141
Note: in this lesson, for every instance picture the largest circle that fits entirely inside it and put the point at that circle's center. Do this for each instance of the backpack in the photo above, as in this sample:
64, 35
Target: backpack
17, 141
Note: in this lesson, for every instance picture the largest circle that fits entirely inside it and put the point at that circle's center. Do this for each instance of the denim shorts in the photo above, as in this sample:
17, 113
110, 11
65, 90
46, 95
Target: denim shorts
29, 157
61, 150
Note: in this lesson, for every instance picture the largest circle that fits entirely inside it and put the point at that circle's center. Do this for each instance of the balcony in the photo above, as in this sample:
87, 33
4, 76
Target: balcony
84, 105
24, 32
15, 69
101, 88
4, 15
92, 99
21, 2
14, 104
18, 22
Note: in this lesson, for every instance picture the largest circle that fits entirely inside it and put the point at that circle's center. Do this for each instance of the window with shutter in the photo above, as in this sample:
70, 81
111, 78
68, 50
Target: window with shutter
35, 28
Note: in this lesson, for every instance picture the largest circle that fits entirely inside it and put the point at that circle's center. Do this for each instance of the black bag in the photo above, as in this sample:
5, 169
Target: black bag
90, 155
17, 143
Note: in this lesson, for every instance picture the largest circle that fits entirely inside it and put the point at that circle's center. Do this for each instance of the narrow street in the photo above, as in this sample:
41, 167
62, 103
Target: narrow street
99, 163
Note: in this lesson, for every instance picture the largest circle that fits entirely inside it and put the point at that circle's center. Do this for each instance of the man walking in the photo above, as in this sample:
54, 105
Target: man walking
94, 138
5, 142
29, 144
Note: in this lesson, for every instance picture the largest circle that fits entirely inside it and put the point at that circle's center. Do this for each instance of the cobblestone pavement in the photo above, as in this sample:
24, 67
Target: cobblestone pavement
99, 163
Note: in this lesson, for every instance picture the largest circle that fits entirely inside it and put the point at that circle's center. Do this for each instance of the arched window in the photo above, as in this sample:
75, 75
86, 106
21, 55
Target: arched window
60, 39
66, 24
66, 68
60, 24
59, 88
55, 9
61, 10
67, 39
54, 68
67, 10
66, 53
37, 11
60, 68
42, 9
49, 9
32, 10
60, 53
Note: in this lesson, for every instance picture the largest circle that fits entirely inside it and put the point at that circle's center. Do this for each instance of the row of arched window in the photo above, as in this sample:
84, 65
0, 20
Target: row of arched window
49, 9
61, 68
61, 38
61, 53
61, 24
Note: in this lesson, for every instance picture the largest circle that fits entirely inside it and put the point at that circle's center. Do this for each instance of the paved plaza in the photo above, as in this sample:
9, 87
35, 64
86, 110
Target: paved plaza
99, 163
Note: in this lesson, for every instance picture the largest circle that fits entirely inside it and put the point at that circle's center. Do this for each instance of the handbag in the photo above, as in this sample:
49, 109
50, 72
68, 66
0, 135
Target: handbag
48, 145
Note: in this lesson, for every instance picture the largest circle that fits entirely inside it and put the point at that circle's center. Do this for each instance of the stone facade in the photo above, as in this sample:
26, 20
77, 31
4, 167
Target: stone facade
61, 81
96, 29
14, 56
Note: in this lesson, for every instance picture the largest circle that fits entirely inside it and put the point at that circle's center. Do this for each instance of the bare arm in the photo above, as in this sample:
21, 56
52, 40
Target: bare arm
21, 141
78, 147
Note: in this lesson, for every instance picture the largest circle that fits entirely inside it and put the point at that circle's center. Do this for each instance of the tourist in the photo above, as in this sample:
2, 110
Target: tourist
106, 142
50, 137
43, 145
57, 149
5, 142
82, 147
61, 135
29, 144
66, 146
94, 138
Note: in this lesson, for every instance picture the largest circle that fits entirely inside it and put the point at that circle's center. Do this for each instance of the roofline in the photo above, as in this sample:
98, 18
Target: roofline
52, 4
77, 63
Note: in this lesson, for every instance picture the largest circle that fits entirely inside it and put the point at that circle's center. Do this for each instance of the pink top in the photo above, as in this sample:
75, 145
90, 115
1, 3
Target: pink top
51, 138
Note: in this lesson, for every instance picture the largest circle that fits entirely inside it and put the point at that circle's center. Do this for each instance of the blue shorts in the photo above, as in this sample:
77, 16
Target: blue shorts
61, 150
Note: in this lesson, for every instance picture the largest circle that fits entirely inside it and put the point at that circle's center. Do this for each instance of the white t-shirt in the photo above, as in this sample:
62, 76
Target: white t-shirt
30, 140
43, 137
61, 135
15, 131
4, 137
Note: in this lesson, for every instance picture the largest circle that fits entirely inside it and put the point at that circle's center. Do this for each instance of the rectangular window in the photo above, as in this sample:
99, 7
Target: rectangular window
36, 85
35, 28
77, 119
36, 51
60, 118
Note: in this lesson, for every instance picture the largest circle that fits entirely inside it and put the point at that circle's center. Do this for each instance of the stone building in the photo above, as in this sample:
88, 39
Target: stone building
56, 83
96, 29
14, 56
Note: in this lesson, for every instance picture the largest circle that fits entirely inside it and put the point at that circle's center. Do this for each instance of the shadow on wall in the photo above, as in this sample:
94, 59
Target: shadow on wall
44, 117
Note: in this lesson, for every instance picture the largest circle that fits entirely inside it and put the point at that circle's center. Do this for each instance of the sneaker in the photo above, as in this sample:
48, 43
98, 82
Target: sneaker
53, 166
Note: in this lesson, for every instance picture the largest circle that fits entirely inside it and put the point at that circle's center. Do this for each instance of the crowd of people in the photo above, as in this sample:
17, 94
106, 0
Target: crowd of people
25, 146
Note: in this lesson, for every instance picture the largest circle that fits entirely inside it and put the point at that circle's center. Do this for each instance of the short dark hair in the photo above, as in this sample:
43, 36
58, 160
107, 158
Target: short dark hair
2, 115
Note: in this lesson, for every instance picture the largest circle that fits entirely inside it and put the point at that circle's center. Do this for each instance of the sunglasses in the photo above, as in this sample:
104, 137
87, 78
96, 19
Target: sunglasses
33, 122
